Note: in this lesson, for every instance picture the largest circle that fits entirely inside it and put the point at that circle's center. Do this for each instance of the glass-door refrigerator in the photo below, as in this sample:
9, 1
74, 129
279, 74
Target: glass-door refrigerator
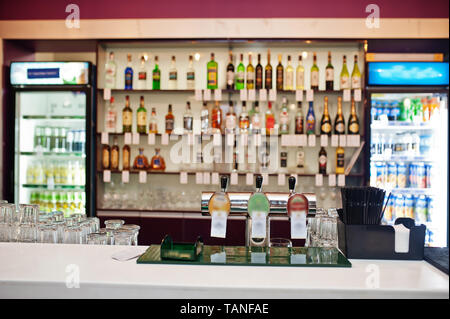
53, 135
408, 132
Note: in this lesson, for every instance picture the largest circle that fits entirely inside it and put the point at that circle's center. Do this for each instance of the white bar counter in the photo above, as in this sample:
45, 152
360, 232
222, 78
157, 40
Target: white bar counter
52, 270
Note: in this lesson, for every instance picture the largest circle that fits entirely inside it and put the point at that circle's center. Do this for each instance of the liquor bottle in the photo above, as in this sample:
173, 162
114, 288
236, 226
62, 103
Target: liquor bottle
240, 76
301, 160
244, 122
141, 117
280, 74
126, 157
259, 74
190, 75
106, 156
157, 162
127, 116
111, 117
299, 119
219, 202
283, 158
310, 120
258, 209
173, 75
325, 123
153, 125
300, 76
250, 73
141, 161
188, 119
170, 120
340, 169
216, 118
230, 119
345, 84
270, 120
353, 122
268, 73
297, 210
115, 155
110, 72
156, 76
230, 73
356, 75
212, 70
314, 74
255, 119
289, 82
329, 74
204, 119
142, 75
322, 161
129, 74
235, 166
339, 122
284, 117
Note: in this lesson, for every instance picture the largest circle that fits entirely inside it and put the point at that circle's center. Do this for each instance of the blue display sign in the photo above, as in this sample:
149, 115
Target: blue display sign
408, 73
49, 73
42, 73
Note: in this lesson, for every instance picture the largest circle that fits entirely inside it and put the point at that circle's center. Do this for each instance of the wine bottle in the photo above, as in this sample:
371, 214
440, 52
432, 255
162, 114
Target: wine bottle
329, 74
250, 73
300, 76
344, 75
127, 116
268, 73
240, 76
356, 75
314, 74
310, 120
289, 83
322, 161
340, 169
339, 122
325, 123
259, 74
212, 76
280, 74
299, 119
141, 114
230, 73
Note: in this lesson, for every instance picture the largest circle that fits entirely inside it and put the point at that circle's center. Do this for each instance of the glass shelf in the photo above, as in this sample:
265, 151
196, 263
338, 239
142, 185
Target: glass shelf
53, 117
223, 173
80, 187
223, 91
63, 154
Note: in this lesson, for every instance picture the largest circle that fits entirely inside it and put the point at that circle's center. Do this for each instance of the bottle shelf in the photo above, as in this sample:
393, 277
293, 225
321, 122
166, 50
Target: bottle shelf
125, 210
224, 91
56, 186
56, 154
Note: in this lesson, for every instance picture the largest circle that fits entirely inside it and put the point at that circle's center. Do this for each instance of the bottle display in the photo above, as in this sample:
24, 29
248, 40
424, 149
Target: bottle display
230, 73
329, 74
300, 75
127, 116
240, 75
129, 74
142, 75
212, 73
156, 76
314, 74
170, 120
110, 72
190, 74
250, 73
299, 119
141, 114
61, 172
259, 74
339, 122
280, 74
268, 73
173, 75
325, 123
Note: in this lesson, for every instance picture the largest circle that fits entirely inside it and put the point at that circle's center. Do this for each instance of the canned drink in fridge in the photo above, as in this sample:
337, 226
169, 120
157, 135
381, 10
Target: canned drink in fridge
420, 176
409, 206
421, 209
380, 174
401, 174
399, 206
429, 172
392, 174
430, 208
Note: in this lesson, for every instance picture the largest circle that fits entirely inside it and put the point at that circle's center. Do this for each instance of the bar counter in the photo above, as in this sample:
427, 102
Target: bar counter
51, 271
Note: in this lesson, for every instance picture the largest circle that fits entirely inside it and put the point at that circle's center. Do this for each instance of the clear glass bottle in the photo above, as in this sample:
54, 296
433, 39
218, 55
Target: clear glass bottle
300, 74
289, 80
110, 72
153, 125
230, 120
173, 75
284, 117
204, 118
244, 122
190, 75
111, 117
188, 118
142, 75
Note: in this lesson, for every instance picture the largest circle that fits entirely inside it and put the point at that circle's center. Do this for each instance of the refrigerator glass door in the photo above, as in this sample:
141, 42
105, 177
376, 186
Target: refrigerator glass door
409, 158
50, 150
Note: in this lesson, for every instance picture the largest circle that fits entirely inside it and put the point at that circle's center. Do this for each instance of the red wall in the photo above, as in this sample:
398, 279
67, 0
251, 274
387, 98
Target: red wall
116, 9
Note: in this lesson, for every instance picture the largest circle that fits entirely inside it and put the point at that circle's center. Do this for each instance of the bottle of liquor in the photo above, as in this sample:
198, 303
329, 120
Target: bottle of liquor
153, 125
204, 119
345, 84
230, 119
329, 74
190, 75
170, 120
289, 83
142, 75
297, 209
235, 166
110, 72
259, 208
284, 117
322, 161
301, 160
356, 75
268, 73
255, 120
106, 156
244, 122
141, 161
126, 157
325, 123
259, 74
156, 76
339, 122
314, 74
310, 120
211, 70
240, 76
157, 163
270, 120
299, 119
280, 74
230, 73
173, 75
111, 117
220, 202
250, 73
300, 81
141, 117
115, 155
353, 122
127, 116
283, 158
340, 169
188, 119
216, 118
129, 74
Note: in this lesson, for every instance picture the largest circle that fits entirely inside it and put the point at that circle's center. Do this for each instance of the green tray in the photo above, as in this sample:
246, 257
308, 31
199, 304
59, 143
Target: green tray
180, 251
242, 256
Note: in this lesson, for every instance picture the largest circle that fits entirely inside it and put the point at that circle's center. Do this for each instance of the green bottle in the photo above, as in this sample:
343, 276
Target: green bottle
240, 80
211, 76
156, 76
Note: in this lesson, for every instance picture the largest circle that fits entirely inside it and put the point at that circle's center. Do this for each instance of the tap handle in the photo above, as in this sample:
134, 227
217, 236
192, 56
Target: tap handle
223, 182
291, 183
259, 181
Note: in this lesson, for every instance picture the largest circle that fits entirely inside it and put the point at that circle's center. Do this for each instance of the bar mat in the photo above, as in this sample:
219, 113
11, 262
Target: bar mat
438, 257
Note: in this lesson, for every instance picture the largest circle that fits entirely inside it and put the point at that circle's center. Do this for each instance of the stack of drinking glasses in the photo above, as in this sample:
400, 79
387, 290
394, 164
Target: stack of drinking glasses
322, 229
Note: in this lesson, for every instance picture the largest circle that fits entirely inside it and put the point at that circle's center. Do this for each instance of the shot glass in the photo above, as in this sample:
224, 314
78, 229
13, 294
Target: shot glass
135, 229
28, 214
72, 235
47, 234
27, 233
123, 237
97, 239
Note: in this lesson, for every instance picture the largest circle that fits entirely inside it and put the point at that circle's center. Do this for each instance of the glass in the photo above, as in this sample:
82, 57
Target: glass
97, 239
47, 234
60, 226
28, 214
27, 233
135, 229
327, 232
95, 224
6, 217
123, 237
85, 230
109, 235
72, 235
114, 223
280, 242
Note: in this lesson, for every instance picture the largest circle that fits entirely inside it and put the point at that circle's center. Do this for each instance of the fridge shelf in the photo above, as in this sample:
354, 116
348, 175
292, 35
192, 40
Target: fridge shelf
402, 159
398, 127
56, 187
62, 154
420, 191
53, 117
